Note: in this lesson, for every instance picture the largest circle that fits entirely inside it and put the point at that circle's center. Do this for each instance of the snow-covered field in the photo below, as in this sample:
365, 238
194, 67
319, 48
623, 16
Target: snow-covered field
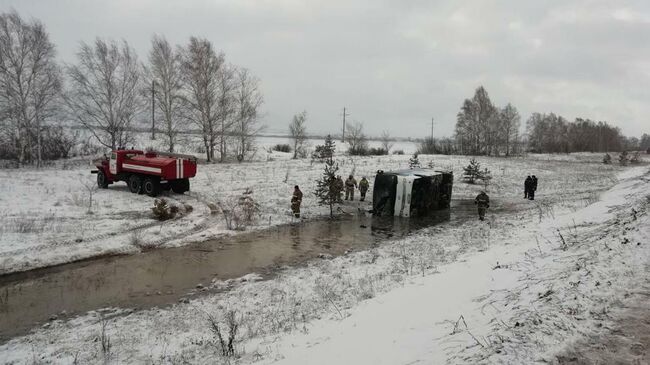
49, 219
514, 289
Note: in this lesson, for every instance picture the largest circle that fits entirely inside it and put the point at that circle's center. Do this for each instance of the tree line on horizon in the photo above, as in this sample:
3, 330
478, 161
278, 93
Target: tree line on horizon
485, 129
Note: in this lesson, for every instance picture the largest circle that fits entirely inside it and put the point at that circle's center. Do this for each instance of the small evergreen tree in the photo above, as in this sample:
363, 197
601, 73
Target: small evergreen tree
472, 172
414, 162
326, 189
321, 152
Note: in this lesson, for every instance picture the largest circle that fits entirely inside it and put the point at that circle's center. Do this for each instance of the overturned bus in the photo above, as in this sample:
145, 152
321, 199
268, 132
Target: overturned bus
407, 193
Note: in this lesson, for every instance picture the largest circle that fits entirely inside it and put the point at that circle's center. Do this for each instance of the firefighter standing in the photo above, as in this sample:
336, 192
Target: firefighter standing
483, 203
296, 200
339, 185
363, 188
350, 184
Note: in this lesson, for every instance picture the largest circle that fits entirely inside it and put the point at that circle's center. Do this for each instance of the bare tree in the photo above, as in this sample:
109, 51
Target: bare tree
298, 133
475, 124
30, 84
91, 187
356, 139
509, 127
547, 133
226, 107
248, 100
201, 67
165, 74
104, 96
386, 141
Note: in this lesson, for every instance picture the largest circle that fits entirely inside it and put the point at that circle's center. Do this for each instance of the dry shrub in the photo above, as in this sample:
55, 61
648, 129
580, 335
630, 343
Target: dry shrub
250, 208
163, 211
241, 211
137, 240
225, 345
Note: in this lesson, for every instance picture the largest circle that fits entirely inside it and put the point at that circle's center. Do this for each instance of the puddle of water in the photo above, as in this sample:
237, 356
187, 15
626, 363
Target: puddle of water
164, 276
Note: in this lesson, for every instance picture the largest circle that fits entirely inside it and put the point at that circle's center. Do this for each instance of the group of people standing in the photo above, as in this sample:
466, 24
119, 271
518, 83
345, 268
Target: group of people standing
482, 200
530, 186
349, 185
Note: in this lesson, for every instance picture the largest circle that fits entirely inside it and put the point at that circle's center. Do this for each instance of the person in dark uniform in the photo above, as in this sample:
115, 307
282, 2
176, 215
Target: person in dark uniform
296, 200
533, 188
527, 184
482, 201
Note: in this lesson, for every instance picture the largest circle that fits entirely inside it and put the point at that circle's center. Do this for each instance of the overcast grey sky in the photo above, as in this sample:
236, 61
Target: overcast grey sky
396, 64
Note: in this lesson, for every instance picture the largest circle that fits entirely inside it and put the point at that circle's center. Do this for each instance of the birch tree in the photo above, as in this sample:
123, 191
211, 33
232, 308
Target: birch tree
201, 67
479, 127
468, 135
104, 94
298, 133
30, 84
248, 100
165, 74
486, 120
226, 107
510, 122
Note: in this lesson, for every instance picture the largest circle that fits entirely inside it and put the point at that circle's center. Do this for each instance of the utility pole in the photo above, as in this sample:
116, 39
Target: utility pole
153, 110
343, 134
431, 130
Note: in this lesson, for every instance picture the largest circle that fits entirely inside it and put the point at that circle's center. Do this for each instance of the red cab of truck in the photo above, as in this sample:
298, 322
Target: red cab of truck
146, 172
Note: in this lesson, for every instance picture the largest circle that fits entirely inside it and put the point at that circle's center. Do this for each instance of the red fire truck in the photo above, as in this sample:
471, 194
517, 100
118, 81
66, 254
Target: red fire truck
146, 172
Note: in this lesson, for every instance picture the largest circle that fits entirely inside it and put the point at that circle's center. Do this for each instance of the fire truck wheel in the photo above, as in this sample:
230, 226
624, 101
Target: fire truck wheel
101, 180
151, 186
135, 184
